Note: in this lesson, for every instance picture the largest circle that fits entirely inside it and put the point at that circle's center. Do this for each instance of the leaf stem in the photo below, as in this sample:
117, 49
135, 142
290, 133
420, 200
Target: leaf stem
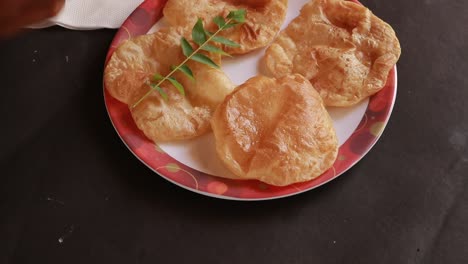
181, 64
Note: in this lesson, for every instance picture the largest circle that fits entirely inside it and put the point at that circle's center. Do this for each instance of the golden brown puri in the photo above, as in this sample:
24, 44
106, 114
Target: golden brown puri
275, 130
183, 117
174, 119
341, 47
132, 67
136, 60
263, 19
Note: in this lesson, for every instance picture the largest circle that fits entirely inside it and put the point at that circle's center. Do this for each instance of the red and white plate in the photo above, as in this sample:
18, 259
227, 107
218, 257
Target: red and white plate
193, 164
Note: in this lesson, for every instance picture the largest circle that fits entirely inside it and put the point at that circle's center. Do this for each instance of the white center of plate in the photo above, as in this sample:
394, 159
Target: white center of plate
200, 153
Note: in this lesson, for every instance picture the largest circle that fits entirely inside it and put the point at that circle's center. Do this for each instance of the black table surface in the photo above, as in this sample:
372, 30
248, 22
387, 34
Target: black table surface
71, 192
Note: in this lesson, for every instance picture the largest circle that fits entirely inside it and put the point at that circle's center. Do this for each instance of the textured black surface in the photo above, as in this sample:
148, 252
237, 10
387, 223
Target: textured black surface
66, 174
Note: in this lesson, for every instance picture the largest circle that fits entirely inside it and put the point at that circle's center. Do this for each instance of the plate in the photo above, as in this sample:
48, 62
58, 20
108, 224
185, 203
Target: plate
193, 164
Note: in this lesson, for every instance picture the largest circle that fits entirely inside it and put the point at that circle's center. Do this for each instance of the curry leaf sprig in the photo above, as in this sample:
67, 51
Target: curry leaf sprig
204, 40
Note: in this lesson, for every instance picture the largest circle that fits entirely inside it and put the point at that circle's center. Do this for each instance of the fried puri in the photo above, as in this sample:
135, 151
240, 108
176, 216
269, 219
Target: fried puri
341, 47
131, 65
263, 19
180, 117
173, 119
275, 130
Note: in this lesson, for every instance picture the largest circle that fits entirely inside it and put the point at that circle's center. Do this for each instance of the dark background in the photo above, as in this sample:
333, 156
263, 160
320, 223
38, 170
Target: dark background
66, 174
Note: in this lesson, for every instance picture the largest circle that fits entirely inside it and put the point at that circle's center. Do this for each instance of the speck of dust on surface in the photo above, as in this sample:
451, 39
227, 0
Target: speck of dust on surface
70, 231
35, 52
66, 58
55, 201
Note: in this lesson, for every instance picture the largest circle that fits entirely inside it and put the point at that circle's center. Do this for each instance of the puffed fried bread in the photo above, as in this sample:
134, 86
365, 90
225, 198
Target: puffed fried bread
130, 66
173, 119
340, 46
262, 23
134, 64
275, 130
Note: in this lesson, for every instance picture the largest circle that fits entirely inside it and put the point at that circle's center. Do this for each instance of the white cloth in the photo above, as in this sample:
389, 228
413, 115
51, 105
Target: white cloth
92, 14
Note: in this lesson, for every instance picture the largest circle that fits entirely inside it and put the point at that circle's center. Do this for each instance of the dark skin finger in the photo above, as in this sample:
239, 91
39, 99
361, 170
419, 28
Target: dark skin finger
15, 14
